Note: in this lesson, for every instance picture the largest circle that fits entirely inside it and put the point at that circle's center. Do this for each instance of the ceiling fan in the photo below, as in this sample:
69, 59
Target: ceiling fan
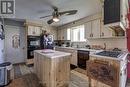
56, 14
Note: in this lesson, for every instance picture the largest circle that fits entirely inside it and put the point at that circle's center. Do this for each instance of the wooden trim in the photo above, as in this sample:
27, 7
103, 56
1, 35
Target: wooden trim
29, 61
32, 24
22, 63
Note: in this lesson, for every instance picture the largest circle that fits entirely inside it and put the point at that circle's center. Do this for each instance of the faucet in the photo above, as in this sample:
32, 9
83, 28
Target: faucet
71, 44
77, 46
104, 46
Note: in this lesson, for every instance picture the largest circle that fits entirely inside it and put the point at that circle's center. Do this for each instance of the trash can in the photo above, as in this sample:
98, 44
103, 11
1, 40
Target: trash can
5, 73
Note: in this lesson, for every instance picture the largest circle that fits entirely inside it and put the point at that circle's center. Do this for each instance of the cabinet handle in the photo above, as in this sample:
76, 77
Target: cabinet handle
92, 35
33, 32
102, 34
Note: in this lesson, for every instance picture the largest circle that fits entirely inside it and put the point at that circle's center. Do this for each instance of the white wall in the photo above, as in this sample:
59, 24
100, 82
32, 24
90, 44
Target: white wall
120, 43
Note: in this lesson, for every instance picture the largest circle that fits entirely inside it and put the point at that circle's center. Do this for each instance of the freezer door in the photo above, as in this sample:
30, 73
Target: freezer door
1, 51
2, 76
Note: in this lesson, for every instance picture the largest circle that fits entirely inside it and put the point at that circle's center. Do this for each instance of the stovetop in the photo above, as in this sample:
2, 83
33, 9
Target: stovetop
114, 54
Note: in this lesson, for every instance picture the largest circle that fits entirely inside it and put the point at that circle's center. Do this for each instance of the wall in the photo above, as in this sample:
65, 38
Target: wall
111, 42
120, 43
12, 27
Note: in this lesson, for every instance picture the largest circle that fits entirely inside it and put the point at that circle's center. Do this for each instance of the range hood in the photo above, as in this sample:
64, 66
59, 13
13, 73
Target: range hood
115, 14
117, 25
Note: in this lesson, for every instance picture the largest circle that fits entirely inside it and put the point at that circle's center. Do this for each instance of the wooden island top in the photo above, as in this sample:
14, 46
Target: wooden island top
52, 67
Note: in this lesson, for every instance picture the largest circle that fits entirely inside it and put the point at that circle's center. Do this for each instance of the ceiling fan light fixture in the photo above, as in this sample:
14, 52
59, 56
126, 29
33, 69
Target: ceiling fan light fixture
56, 19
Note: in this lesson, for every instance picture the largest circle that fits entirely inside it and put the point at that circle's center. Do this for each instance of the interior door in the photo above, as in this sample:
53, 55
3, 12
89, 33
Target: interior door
14, 48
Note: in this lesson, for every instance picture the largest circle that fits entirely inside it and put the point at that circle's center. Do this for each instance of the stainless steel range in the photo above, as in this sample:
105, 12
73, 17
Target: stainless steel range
114, 54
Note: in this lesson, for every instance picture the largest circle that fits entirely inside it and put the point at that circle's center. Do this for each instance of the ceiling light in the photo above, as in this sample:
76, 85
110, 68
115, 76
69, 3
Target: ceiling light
56, 19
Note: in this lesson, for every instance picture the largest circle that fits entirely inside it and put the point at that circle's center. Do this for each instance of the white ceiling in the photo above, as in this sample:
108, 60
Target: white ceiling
33, 9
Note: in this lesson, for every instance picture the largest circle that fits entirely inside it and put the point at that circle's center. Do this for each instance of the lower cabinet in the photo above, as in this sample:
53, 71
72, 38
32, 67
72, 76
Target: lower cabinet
73, 52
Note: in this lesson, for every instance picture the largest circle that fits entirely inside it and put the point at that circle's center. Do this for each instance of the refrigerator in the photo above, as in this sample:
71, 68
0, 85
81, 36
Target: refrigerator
46, 41
2, 36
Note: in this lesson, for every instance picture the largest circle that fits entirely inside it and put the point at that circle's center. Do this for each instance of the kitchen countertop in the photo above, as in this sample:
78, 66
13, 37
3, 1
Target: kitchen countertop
84, 49
121, 58
93, 53
52, 53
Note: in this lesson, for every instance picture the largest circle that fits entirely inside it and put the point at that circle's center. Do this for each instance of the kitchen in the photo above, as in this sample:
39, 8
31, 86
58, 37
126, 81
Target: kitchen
91, 51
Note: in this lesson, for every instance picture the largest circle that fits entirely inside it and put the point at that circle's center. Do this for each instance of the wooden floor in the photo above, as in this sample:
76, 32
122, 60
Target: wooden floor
23, 76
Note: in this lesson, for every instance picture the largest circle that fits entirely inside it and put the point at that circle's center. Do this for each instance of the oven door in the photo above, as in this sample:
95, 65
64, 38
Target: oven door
33, 41
2, 76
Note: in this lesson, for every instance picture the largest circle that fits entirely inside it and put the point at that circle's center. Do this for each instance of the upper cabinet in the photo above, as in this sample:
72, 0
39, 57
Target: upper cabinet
34, 31
88, 30
92, 29
96, 29
62, 34
106, 32
96, 26
115, 13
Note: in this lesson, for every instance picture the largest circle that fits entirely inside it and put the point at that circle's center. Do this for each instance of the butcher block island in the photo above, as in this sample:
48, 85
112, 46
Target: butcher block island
52, 68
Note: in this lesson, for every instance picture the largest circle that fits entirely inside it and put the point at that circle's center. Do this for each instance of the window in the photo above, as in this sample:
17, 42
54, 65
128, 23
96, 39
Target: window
68, 34
76, 33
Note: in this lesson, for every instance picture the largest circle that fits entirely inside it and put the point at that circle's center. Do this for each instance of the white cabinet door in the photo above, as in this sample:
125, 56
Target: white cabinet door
88, 29
31, 30
106, 32
65, 34
37, 31
96, 26
34, 31
61, 34
54, 33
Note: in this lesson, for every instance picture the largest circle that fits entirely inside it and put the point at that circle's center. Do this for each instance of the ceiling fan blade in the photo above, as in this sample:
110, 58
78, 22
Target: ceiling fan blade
71, 12
45, 16
50, 21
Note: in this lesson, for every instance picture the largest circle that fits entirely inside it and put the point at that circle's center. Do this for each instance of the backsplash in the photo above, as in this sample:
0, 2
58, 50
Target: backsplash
80, 44
120, 43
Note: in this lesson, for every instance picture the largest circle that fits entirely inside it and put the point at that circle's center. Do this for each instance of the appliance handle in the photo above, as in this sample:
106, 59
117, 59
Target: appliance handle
101, 62
128, 59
